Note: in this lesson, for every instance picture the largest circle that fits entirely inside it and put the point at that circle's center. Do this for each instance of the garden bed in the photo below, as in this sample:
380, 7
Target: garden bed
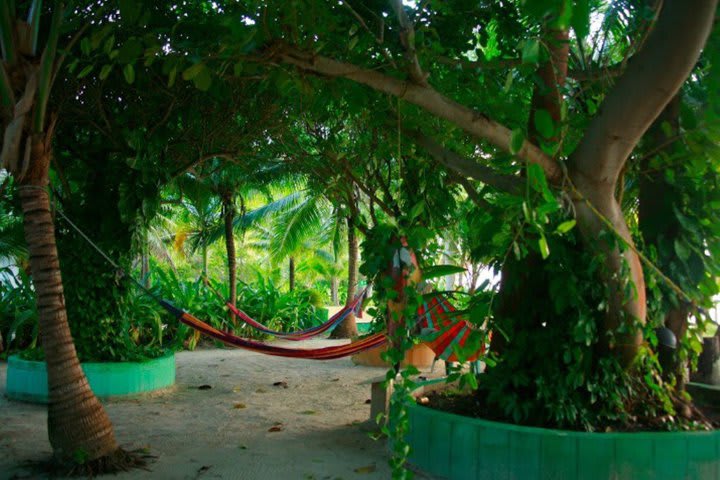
458, 447
27, 380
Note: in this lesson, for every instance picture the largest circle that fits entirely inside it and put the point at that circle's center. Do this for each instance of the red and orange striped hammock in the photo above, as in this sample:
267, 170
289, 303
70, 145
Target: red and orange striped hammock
436, 315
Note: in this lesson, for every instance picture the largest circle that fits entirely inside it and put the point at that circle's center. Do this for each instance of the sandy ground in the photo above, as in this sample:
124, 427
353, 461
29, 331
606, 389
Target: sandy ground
224, 432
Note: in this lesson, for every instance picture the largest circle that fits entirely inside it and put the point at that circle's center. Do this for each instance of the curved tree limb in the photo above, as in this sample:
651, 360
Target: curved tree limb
465, 166
471, 121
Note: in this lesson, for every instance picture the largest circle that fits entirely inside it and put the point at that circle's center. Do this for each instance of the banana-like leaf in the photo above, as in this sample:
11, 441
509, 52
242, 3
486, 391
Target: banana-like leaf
7, 41
47, 63
437, 271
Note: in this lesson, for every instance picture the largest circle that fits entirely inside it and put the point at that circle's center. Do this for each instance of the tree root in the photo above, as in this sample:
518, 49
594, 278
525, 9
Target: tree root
118, 461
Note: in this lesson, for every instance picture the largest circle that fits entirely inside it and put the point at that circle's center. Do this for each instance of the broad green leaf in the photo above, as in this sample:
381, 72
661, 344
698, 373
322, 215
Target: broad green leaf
565, 226
105, 71
85, 46
193, 71
544, 249
171, 77
130, 50
517, 138
129, 73
85, 71
581, 18
538, 181
531, 52
417, 210
130, 10
436, 271
544, 123
203, 80
682, 251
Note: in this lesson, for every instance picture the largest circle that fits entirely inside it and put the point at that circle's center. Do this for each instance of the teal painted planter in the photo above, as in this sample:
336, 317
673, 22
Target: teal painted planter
364, 327
462, 448
27, 380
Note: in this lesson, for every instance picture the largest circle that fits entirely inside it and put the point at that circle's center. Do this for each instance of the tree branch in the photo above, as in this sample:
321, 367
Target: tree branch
651, 79
407, 39
471, 121
465, 166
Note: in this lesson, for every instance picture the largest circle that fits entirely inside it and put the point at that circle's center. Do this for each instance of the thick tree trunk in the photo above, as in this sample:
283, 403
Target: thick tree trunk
519, 278
651, 80
348, 328
657, 220
291, 273
228, 217
77, 422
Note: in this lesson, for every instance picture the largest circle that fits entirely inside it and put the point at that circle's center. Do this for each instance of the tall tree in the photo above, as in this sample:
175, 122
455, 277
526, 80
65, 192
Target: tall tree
78, 426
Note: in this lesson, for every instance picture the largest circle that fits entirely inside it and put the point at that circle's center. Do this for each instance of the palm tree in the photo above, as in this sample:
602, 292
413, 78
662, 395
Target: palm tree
77, 422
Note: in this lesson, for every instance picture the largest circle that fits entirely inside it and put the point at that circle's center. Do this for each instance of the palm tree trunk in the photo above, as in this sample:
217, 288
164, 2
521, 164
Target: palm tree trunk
229, 216
77, 422
291, 273
205, 262
348, 328
334, 290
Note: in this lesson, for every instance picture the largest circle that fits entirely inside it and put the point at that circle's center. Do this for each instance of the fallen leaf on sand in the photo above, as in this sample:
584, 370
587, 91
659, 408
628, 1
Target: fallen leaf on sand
368, 469
236, 389
204, 387
276, 428
308, 412
335, 380
260, 390
239, 405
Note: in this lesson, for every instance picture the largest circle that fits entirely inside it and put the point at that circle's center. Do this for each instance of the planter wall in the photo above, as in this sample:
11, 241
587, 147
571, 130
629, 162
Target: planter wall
27, 380
456, 447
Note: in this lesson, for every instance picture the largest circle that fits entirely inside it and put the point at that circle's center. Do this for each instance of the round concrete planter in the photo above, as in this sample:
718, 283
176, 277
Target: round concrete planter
27, 380
419, 356
457, 447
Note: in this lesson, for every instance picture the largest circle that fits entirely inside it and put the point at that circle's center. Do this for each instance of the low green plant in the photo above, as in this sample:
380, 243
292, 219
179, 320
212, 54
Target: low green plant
18, 312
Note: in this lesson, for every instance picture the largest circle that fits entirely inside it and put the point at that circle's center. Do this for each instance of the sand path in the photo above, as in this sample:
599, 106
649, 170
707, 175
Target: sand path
223, 432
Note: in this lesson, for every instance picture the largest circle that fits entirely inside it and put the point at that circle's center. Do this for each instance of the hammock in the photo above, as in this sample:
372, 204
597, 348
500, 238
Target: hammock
434, 315
325, 353
438, 315
354, 307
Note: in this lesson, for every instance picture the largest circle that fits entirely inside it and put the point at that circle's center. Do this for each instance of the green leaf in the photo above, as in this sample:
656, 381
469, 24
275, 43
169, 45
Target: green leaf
105, 71
581, 18
130, 10
544, 123
417, 210
682, 251
517, 138
130, 50
565, 226
85, 46
531, 52
85, 71
171, 77
109, 44
203, 80
353, 42
129, 73
436, 271
544, 249
538, 181
193, 71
